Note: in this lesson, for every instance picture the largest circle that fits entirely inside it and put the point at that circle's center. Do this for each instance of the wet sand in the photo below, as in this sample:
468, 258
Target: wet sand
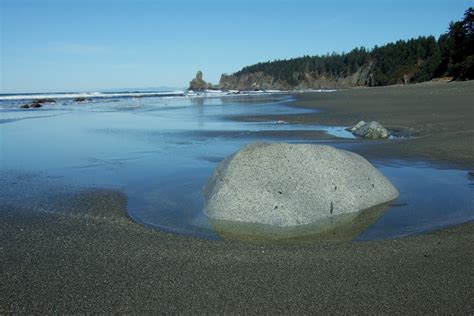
94, 259
438, 116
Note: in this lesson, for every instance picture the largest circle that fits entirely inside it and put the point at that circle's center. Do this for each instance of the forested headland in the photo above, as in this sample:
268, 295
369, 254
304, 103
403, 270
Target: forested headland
420, 59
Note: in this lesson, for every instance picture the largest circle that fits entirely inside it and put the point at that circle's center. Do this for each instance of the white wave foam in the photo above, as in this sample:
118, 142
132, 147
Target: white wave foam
89, 95
170, 94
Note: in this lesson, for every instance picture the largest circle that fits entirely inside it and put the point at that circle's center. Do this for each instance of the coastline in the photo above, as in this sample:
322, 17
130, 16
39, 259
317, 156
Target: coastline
436, 116
97, 260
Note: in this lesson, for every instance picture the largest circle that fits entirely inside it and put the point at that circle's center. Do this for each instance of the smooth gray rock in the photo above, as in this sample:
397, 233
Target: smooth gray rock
373, 130
293, 184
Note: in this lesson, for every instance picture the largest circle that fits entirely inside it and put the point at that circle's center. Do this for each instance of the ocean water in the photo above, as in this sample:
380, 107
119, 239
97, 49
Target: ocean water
159, 149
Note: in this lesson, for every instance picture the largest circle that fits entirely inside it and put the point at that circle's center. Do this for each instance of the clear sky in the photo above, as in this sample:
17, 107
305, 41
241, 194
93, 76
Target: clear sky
88, 45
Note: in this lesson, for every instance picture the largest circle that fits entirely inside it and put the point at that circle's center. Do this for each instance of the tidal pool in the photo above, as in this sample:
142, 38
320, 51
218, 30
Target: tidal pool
160, 152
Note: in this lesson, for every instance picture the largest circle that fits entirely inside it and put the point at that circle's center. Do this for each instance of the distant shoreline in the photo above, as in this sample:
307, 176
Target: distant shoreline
438, 115
189, 92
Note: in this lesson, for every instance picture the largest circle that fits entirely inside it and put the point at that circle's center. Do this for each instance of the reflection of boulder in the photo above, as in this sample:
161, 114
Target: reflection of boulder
373, 130
288, 185
339, 228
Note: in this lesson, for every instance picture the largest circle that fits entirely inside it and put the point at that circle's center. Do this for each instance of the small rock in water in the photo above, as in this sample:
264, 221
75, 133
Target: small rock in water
80, 99
357, 126
35, 105
44, 100
470, 175
372, 130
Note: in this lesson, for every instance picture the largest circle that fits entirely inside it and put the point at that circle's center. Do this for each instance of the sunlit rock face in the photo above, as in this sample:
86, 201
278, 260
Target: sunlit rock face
287, 185
372, 130
198, 83
363, 76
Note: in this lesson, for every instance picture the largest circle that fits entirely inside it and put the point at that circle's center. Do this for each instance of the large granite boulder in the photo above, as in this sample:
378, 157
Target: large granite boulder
372, 130
293, 184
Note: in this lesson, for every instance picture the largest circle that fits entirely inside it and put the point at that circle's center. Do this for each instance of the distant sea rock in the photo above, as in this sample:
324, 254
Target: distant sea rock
81, 99
293, 184
44, 100
37, 103
198, 84
372, 130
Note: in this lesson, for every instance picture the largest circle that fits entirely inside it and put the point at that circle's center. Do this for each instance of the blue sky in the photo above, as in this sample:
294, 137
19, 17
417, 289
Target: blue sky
88, 45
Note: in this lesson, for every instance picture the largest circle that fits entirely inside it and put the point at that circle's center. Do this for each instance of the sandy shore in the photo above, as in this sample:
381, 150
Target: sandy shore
438, 116
94, 259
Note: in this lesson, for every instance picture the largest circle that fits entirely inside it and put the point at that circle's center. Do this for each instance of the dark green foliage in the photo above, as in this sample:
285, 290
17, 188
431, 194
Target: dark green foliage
457, 48
292, 70
414, 60
467, 68
405, 61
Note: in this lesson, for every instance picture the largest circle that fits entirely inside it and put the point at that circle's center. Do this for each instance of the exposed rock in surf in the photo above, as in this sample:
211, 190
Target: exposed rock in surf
293, 184
356, 127
35, 105
81, 99
44, 100
198, 84
372, 130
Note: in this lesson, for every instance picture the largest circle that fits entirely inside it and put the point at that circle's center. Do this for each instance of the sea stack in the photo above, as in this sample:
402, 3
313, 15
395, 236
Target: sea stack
198, 84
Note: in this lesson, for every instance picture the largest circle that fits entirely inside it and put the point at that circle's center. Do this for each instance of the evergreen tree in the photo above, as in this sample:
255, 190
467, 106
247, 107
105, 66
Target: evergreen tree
414, 60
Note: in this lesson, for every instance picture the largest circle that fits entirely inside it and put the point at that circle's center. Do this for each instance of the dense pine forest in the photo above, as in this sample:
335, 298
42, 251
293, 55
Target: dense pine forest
405, 61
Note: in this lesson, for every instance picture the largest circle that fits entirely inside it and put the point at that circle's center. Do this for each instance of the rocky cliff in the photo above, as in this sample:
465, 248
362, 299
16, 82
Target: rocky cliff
401, 62
363, 76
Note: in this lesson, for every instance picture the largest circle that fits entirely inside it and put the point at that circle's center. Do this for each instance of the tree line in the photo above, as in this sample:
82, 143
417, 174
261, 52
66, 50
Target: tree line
414, 60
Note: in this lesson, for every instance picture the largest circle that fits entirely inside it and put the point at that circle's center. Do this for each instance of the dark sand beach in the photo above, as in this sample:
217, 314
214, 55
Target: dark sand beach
438, 116
94, 259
